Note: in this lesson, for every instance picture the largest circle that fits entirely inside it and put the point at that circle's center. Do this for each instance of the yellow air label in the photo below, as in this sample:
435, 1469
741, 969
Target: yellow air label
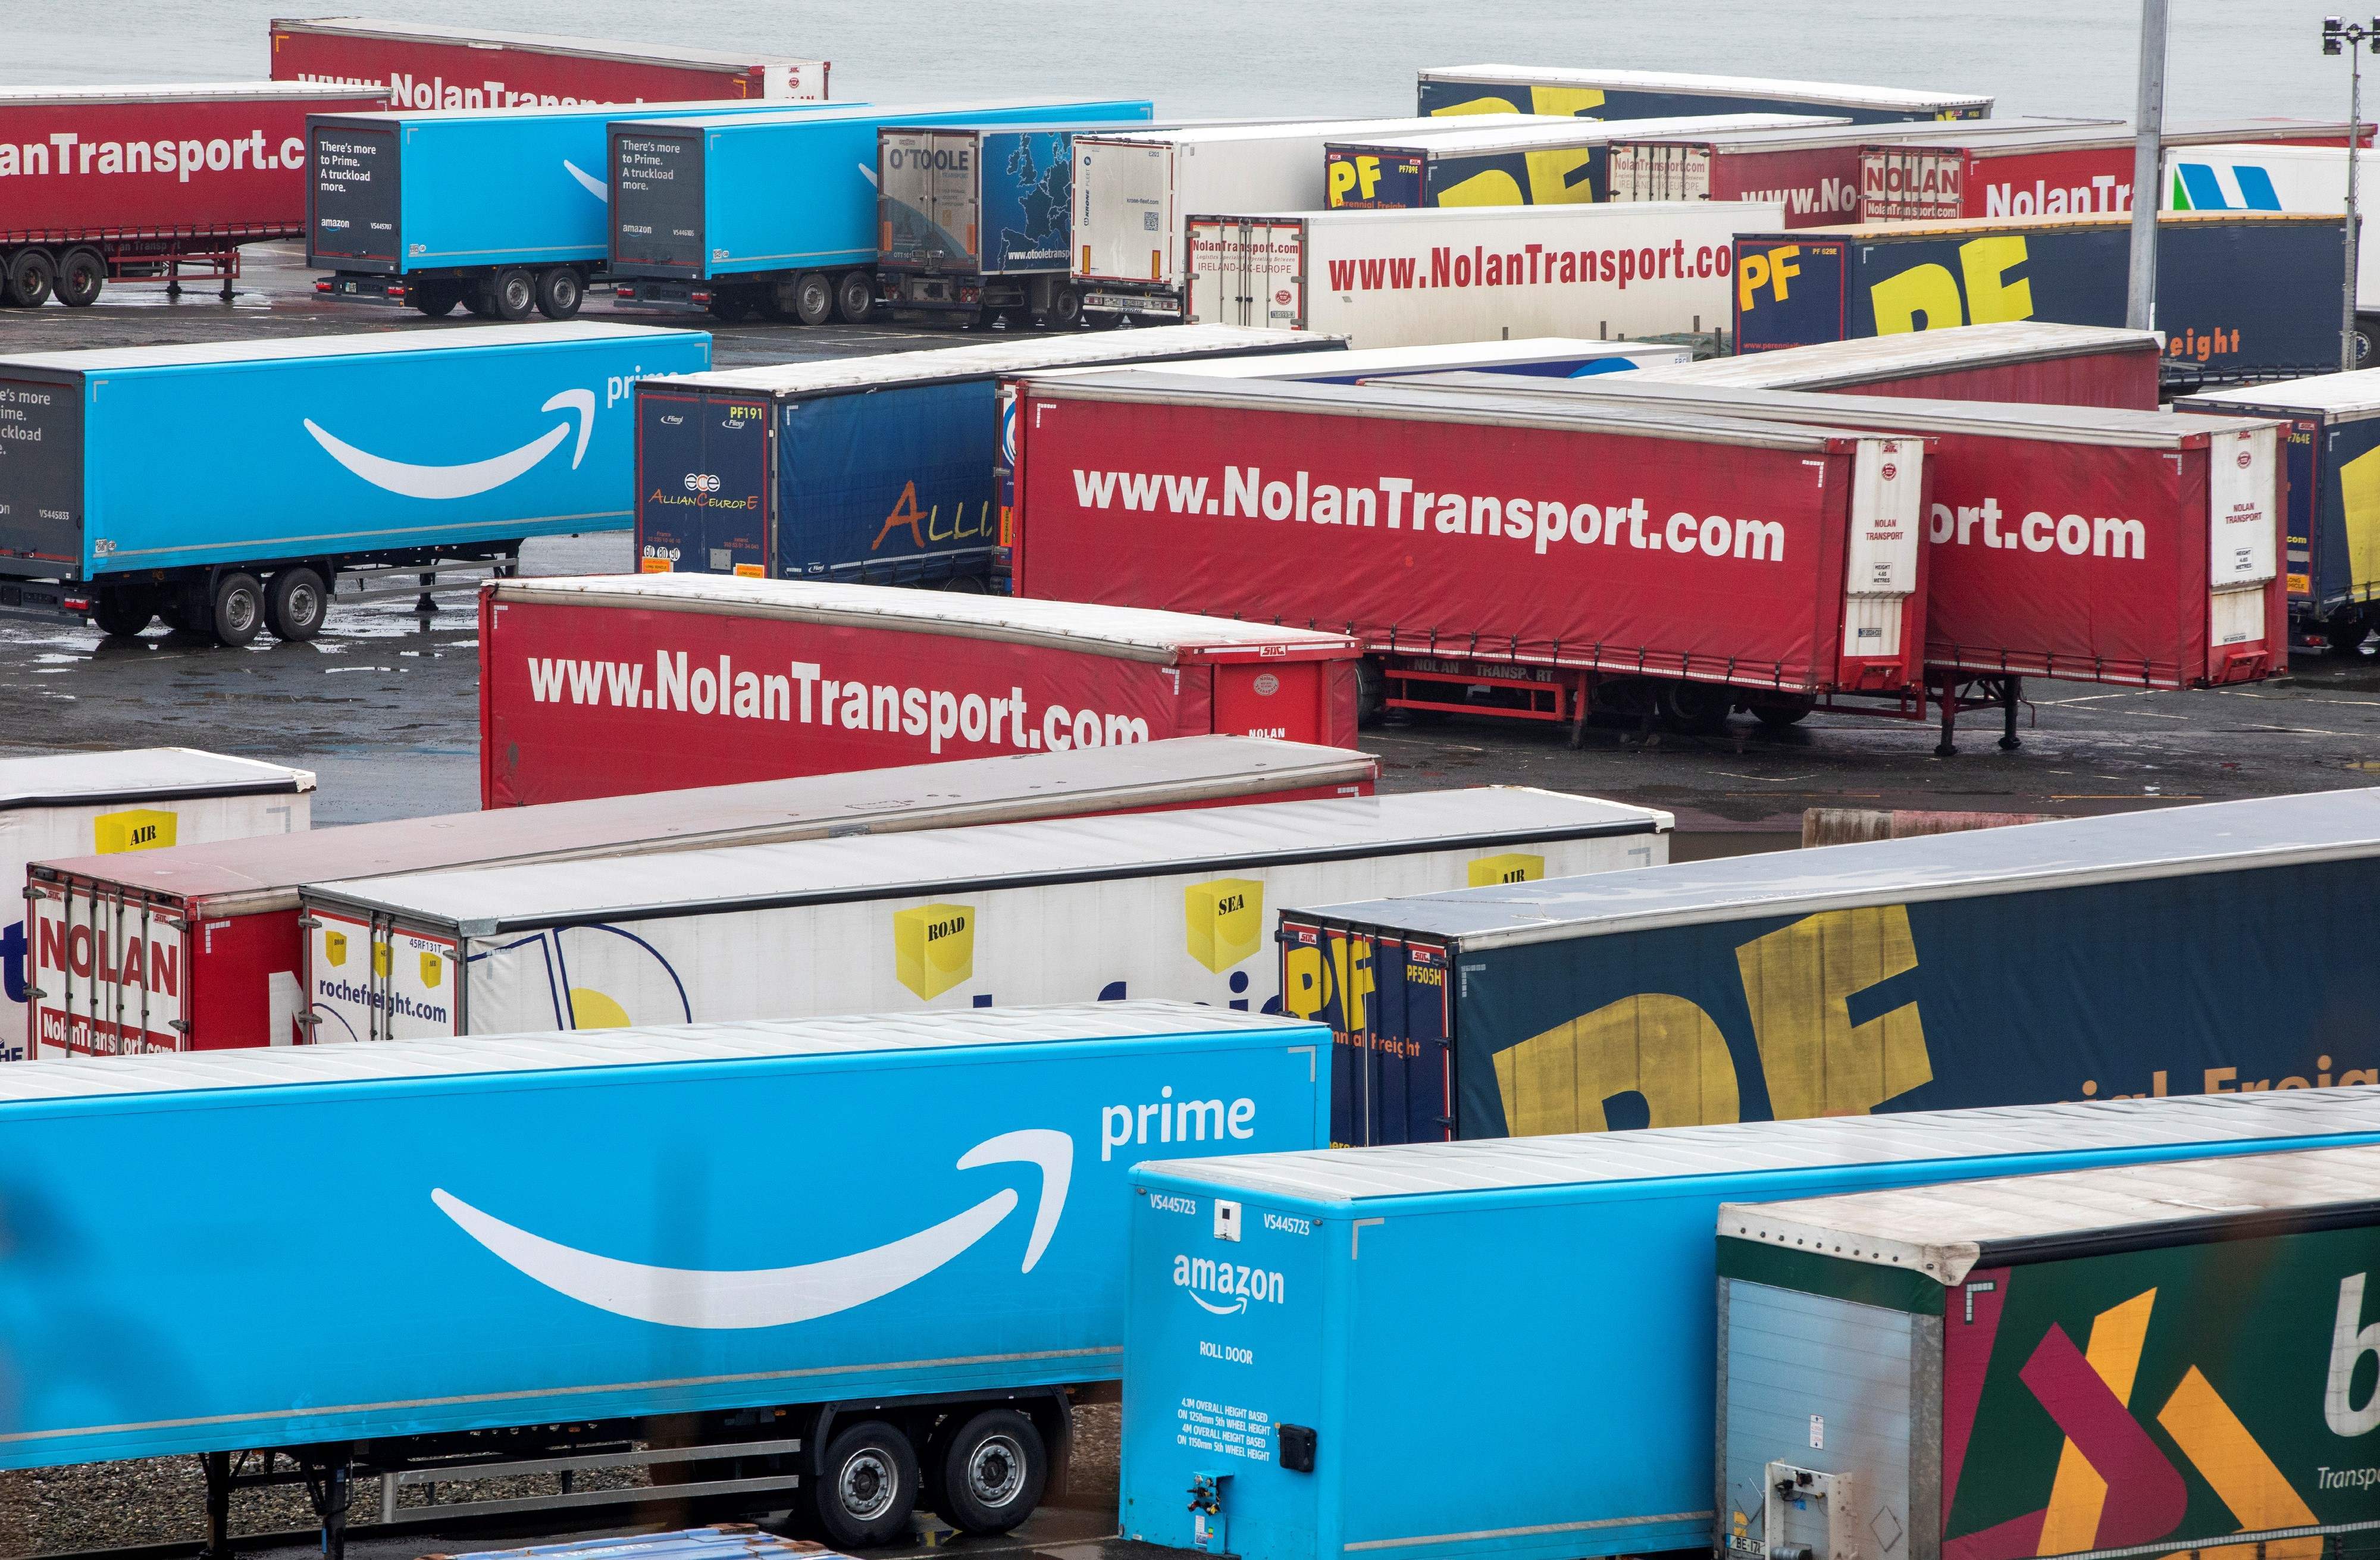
1513, 866
1225, 921
142, 828
934, 947
334, 947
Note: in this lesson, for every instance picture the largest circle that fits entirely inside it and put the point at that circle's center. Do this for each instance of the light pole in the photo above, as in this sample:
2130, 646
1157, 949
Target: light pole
2339, 38
2148, 155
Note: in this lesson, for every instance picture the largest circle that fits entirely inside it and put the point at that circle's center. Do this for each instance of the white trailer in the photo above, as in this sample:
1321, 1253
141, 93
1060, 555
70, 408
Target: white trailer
1133, 193
2262, 176
1152, 905
106, 803
1414, 278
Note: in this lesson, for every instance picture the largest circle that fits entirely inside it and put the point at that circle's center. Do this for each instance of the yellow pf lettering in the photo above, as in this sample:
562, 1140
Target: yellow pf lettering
1658, 1046
1367, 176
1474, 105
1342, 179
1569, 102
2359, 501
1301, 974
1922, 291
1751, 276
1798, 982
1494, 188
1986, 263
1551, 178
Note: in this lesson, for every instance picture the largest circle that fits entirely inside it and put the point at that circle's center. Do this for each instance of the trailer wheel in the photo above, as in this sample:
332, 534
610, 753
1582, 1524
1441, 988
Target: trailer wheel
1065, 310
967, 585
1371, 692
81, 274
854, 297
122, 611
30, 276
813, 299
295, 604
2345, 633
512, 294
1777, 717
237, 609
867, 1489
437, 299
1696, 706
993, 1472
559, 293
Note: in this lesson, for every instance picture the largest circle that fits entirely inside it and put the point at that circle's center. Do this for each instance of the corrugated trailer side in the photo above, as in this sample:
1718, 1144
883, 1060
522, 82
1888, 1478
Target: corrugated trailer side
2033, 361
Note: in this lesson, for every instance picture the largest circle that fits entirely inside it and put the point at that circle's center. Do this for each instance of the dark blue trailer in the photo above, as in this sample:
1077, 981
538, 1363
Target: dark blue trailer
1648, 94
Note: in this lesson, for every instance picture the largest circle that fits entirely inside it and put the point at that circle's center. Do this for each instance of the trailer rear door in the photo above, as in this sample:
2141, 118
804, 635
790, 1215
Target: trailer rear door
1123, 210
1247, 272
703, 494
41, 471
1911, 183
1659, 171
928, 204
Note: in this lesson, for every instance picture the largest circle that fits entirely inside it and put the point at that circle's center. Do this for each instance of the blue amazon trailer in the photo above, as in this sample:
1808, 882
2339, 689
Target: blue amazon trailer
500, 211
777, 213
864, 1257
1509, 1348
226, 485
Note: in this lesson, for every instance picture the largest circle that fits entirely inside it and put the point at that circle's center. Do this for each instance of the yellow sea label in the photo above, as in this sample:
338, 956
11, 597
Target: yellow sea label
140, 829
933, 946
1224, 920
1513, 866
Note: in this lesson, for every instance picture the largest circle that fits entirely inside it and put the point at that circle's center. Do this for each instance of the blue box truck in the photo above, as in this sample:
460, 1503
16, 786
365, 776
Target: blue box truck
1507, 1350
871, 1259
226, 485
2205, 949
502, 210
776, 213
880, 470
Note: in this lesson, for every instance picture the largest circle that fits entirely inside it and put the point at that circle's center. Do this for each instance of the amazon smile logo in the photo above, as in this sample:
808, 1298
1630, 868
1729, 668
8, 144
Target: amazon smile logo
469, 478
1233, 1285
778, 1297
587, 181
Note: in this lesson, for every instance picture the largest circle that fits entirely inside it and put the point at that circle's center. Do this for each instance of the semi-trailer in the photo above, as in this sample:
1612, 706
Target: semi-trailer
1529, 356
427, 66
503, 211
907, 1321
153, 184
225, 485
2136, 549
1537, 1320
778, 214
881, 469
1173, 905
605, 685
197, 947
1641, 94
1660, 565
2208, 949
2194, 1328
1559, 162
2241, 296
2246, 177
1451, 274
2021, 360
120, 805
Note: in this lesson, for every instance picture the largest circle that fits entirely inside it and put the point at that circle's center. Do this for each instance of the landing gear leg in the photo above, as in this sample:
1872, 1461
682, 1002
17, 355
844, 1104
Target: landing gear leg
2011, 689
218, 1469
331, 1485
1948, 698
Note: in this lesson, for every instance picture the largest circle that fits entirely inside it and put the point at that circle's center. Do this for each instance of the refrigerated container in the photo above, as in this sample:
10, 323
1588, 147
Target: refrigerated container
221, 919
427, 66
1558, 161
1160, 904
1637, 94
2031, 361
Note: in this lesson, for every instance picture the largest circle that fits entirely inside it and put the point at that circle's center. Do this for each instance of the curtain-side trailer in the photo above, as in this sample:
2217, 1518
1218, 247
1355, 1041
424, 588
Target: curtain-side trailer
1637, 95
2027, 360
1554, 162
427, 66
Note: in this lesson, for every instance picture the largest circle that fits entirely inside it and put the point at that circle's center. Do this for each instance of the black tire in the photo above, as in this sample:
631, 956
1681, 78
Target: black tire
967, 585
437, 299
1696, 706
124, 611
31, 277
82, 277
512, 294
475, 299
296, 601
560, 292
2345, 634
732, 308
1065, 310
866, 1488
992, 1474
1371, 692
235, 608
1777, 717
854, 297
813, 300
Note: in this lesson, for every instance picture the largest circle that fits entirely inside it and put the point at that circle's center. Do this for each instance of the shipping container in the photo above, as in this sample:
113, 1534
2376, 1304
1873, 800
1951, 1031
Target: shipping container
1133, 196
2247, 177
574, 1235
841, 467
2021, 360
1814, 174
567, 711
2137, 548
427, 66
1561, 162
2205, 949
155, 184
2194, 1329
778, 214
119, 805
1414, 278
1158, 904
2239, 295
2333, 528
227, 485
196, 946
1740, 583
1639, 95
1507, 1348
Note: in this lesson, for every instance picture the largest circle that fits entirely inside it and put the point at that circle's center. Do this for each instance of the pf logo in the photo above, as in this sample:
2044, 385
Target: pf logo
701, 482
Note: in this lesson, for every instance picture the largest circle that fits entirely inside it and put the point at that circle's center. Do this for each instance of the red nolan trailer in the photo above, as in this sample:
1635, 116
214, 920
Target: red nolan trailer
1621, 559
2019, 360
101, 184
427, 66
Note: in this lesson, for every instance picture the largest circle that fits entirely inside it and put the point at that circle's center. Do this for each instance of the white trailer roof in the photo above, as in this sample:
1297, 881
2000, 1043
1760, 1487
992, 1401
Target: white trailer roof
1867, 358
581, 1049
181, 92
242, 877
1126, 632
481, 901
1713, 85
1298, 129
888, 114
2331, 397
1945, 1232
991, 359
1957, 227
2068, 853
365, 343
1747, 211
1455, 138
1589, 1159
140, 774
1866, 135
1448, 358
549, 43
